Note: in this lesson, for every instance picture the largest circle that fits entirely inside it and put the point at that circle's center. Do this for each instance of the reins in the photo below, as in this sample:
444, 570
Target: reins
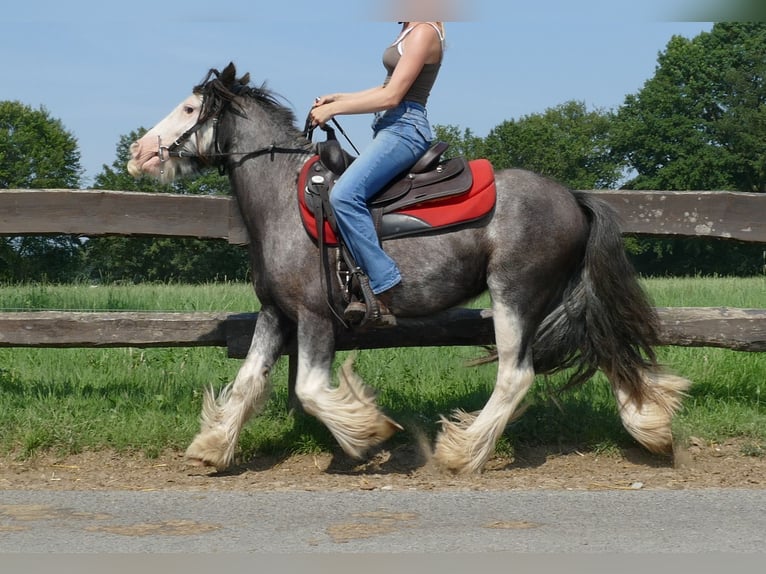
166, 152
172, 150
308, 131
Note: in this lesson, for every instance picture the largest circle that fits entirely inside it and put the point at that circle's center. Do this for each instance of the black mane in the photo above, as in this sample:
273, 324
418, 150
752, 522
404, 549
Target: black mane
221, 88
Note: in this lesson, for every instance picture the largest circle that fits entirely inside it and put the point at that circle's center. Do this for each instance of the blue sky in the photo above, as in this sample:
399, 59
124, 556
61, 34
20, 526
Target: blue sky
109, 69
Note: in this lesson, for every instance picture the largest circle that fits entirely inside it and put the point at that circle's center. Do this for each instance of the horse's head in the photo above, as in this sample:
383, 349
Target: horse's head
185, 139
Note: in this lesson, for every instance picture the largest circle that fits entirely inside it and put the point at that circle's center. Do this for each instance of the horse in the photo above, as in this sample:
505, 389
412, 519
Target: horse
563, 293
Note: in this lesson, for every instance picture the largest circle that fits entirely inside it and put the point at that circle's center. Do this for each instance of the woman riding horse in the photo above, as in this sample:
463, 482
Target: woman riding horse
401, 135
564, 294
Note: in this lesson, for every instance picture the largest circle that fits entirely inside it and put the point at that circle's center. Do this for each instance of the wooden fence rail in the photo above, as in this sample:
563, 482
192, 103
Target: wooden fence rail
720, 214
738, 329
724, 215
93, 213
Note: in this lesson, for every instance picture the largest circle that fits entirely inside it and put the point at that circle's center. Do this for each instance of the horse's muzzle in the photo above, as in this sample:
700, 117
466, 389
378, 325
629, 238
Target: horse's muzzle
142, 162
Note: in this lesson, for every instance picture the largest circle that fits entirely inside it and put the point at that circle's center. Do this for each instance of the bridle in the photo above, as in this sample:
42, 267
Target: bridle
175, 149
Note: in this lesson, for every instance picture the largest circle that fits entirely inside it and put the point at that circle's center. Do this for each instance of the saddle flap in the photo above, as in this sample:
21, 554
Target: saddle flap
450, 177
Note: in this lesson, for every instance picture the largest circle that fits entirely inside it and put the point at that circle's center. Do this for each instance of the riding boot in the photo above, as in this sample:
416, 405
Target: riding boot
377, 315
383, 317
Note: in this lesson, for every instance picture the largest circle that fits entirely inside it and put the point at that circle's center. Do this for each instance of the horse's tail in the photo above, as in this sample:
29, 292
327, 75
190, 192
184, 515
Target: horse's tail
604, 318
605, 321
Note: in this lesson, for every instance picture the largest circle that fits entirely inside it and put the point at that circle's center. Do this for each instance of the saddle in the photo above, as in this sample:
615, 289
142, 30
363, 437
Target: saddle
434, 194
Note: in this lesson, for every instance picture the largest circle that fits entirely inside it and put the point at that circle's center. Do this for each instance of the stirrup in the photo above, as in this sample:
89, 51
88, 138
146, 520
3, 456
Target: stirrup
381, 316
355, 312
372, 311
359, 314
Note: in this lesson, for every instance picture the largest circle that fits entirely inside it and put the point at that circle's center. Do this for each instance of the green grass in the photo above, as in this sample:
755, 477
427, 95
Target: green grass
744, 292
148, 400
146, 297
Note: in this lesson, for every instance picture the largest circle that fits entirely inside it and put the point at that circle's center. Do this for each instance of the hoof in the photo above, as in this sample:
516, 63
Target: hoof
454, 451
357, 445
209, 449
387, 428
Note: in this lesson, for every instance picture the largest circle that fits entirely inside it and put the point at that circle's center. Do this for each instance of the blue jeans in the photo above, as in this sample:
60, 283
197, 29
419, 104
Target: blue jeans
401, 136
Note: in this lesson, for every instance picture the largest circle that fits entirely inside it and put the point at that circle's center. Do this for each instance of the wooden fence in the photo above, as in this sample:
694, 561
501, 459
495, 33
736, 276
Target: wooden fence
727, 215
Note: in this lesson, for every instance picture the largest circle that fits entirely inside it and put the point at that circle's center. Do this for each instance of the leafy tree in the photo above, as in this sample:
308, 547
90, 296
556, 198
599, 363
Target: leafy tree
699, 123
37, 152
568, 143
35, 149
137, 259
460, 144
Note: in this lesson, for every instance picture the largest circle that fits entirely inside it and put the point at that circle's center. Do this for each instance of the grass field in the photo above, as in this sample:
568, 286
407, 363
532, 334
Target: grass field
148, 400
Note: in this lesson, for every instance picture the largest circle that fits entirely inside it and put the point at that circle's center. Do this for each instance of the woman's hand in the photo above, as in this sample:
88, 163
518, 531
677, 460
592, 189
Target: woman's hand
322, 100
321, 113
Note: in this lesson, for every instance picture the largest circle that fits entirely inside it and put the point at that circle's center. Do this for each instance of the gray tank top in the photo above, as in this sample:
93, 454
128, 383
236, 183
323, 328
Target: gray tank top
421, 87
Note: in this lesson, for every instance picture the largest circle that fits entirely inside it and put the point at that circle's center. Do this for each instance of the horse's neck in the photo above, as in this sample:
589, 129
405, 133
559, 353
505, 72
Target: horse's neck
265, 191
264, 182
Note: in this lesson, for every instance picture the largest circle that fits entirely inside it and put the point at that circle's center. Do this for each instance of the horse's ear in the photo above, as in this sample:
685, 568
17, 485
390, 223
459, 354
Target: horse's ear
229, 74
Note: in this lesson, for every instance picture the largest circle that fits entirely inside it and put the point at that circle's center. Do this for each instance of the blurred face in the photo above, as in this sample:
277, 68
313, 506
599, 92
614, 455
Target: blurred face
421, 10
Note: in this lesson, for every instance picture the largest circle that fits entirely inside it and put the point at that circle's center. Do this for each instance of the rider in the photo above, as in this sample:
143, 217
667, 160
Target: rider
401, 134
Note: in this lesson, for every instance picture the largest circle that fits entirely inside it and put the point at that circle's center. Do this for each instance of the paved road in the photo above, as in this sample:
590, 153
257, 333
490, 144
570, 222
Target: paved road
688, 521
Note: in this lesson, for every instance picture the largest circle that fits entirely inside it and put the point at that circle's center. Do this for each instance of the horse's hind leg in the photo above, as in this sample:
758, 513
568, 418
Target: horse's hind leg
466, 443
647, 409
223, 418
349, 410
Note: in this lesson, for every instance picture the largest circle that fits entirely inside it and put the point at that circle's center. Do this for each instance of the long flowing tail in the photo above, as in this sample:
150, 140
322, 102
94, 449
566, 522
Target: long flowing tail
605, 321
604, 318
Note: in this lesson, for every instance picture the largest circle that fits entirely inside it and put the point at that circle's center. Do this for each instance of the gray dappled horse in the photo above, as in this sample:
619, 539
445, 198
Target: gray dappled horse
563, 293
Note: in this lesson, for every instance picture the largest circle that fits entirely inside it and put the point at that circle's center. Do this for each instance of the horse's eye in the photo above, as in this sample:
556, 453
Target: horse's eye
188, 109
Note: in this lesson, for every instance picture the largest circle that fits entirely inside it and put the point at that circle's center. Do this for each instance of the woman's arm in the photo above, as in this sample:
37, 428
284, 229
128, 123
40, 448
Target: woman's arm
343, 96
418, 50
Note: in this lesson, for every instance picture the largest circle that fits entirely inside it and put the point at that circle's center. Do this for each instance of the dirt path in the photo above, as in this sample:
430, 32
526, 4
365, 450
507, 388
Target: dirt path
734, 464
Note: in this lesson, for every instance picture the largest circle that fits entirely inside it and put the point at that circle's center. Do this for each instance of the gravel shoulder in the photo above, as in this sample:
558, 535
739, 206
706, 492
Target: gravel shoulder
733, 464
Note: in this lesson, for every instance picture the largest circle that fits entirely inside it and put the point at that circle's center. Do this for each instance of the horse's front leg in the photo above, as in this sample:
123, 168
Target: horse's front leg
223, 418
465, 444
348, 410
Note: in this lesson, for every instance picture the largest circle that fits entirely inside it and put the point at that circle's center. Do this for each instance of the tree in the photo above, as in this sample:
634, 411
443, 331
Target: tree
35, 149
460, 144
568, 143
699, 124
137, 259
37, 152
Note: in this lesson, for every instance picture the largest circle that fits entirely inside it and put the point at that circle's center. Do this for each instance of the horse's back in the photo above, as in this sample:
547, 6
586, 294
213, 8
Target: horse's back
534, 211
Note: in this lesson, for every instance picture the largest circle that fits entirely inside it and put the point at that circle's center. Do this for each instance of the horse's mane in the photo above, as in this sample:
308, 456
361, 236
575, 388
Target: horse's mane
220, 89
